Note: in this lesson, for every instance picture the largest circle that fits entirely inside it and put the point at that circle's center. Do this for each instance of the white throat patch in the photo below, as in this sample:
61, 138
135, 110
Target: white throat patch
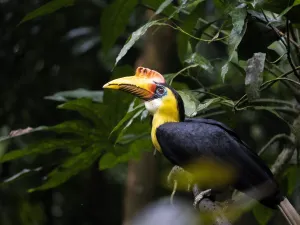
153, 105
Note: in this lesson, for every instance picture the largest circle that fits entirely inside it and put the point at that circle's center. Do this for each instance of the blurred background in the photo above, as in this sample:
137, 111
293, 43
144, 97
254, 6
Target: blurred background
72, 46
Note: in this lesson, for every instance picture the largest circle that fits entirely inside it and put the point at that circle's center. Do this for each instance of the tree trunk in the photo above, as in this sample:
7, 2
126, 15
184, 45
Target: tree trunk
141, 178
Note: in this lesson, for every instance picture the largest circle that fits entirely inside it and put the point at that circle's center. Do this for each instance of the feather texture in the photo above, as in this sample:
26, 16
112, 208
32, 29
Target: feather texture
183, 142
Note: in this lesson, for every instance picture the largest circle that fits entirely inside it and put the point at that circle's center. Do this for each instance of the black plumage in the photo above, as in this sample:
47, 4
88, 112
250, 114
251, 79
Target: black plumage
183, 142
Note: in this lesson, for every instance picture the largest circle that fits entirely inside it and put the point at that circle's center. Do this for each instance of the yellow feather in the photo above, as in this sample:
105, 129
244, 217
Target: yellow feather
167, 112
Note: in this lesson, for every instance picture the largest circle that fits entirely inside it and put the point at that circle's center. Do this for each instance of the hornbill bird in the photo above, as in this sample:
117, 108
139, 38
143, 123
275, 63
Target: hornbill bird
183, 140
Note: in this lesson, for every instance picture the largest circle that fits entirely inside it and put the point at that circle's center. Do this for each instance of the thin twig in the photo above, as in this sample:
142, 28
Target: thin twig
289, 49
287, 45
282, 160
272, 140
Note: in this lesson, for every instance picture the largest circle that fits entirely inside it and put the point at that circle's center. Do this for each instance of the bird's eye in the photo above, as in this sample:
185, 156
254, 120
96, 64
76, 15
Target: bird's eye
160, 90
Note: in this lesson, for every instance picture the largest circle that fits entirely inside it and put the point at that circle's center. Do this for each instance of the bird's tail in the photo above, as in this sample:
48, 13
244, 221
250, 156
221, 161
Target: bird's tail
289, 212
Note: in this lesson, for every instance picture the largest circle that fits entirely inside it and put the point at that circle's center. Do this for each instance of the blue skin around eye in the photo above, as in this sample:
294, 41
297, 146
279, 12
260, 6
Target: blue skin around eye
158, 95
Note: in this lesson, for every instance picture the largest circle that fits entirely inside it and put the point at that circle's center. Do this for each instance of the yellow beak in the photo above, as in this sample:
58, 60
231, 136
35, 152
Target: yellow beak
142, 84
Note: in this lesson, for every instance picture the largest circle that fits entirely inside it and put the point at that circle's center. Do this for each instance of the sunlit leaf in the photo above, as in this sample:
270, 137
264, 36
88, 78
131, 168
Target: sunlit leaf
190, 103
71, 167
135, 36
20, 132
64, 96
48, 8
262, 214
238, 16
43, 147
254, 78
87, 108
114, 20
203, 63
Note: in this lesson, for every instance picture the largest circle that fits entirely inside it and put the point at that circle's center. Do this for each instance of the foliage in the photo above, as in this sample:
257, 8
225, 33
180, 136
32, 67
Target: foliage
255, 68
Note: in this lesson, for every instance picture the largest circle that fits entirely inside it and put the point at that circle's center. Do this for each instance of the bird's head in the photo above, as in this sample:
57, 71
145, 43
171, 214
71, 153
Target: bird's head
151, 87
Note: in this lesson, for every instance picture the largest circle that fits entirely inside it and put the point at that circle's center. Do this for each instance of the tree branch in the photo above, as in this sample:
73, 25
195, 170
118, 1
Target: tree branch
206, 205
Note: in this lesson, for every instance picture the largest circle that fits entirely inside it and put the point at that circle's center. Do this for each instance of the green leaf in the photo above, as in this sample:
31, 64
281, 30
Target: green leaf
214, 101
20, 132
164, 5
190, 103
48, 8
87, 108
183, 39
198, 59
71, 167
65, 96
285, 11
114, 20
155, 4
254, 78
292, 176
188, 6
135, 36
80, 128
130, 115
262, 214
107, 161
238, 16
135, 149
42, 147
170, 77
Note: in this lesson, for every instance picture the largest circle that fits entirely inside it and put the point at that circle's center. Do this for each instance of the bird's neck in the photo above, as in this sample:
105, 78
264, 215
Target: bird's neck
163, 115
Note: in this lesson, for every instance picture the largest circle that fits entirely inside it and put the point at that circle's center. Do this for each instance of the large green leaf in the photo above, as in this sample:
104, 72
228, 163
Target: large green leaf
65, 96
81, 128
135, 149
116, 101
48, 8
238, 16
71, 167
202, 62
183, 39
114, 20
254, 78
87, 108
262, 214
156, 4
130, 115
190, 103
42, 147
135, 36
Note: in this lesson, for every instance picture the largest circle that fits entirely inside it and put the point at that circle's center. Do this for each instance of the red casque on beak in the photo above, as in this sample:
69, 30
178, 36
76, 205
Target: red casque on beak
142, 84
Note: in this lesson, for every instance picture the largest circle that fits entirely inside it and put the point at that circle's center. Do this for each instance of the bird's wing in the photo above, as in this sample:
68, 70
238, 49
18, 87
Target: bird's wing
186, 141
